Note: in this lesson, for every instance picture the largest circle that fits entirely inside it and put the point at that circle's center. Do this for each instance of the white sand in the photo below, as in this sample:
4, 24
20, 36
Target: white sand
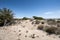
24, 31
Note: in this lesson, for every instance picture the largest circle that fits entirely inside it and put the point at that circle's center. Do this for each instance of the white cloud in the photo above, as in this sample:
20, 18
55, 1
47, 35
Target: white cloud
52, 14
48, 13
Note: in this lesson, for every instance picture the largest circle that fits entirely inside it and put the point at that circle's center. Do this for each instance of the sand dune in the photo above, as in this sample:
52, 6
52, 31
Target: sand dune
24, 31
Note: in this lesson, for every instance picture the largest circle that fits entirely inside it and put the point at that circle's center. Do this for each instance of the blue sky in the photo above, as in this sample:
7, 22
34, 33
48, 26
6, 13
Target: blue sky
29, 8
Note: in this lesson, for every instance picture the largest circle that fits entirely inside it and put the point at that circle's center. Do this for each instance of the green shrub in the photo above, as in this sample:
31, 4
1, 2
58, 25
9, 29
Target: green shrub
6, 16
25, 18
38, 18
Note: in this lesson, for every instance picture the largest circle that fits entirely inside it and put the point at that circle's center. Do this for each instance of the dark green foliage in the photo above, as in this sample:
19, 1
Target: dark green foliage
25, 18
38, 18
6, 16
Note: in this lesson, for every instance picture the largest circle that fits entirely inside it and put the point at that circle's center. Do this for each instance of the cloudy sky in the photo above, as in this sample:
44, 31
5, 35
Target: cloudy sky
29, 8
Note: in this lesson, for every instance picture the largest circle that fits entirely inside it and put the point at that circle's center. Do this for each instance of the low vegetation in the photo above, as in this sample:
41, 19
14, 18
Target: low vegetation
25, 18
37, 22
38, 18
51, 22
49, 30
6, 17
40, 27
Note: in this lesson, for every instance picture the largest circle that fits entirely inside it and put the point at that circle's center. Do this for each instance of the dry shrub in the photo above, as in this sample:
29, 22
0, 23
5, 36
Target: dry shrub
32, 22
37, 22
57, 32
40, 27
51, 30
58, 21
46, 27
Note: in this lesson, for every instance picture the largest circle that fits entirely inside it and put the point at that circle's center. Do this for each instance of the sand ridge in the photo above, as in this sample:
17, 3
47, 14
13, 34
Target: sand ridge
24, 31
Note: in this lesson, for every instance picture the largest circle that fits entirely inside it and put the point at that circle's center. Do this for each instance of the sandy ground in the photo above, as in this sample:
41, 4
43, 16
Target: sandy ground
24, 31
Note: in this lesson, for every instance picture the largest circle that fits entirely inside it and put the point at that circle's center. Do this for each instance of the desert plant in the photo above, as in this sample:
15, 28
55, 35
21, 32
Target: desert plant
37, 22
25, 18
32, 22
51, 30
58, 21
57, 32
40, 27
38, 18
6, 16
46, 27
51, 22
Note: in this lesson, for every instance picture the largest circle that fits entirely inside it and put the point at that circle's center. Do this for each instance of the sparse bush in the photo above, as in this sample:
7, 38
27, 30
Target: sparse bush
51, 22
25, 18
58, 21
37, 22
51, 30
40, 27
32, 22
45, 27
57, 32
38, 18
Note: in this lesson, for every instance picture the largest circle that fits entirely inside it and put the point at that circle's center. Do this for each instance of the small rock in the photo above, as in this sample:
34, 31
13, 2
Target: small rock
19, 34
26, 31
33, 36
19, 30
25, 35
